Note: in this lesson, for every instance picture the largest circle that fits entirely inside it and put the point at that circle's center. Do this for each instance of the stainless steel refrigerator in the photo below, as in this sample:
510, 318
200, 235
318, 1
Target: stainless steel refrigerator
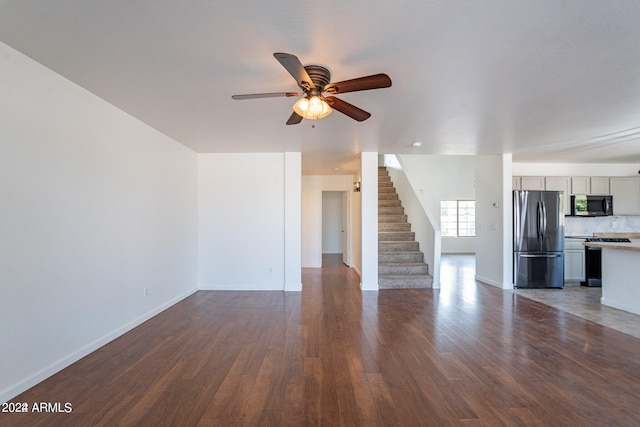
538, 239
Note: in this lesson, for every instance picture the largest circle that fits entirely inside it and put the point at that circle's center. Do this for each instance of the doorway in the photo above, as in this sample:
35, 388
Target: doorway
336, 224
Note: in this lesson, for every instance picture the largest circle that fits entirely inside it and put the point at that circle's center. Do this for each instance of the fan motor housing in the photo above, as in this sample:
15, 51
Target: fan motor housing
320, 76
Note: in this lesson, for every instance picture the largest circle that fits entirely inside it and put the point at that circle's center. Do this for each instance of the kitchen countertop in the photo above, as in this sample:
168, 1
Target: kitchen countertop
619, 271
634, 245
630, 236
619, 274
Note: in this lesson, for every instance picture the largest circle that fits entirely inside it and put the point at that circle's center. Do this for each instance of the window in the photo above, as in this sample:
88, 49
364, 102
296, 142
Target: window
458, 218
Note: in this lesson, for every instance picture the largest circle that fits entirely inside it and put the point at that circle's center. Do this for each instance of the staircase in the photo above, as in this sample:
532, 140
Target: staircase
400, 262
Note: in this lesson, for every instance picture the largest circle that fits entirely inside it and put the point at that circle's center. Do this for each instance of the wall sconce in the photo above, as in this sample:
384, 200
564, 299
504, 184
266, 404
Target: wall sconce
356, 187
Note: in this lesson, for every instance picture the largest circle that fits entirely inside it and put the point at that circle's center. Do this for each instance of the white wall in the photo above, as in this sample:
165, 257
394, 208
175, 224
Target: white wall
332, 222
437, 178
95, 207
293, 221
356, 233
493, 220
312, 189
369, 221
241, 199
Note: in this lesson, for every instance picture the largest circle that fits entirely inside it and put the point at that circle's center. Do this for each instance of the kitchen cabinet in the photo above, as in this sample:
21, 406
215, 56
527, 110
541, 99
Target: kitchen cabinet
619, 275
574, 267
580, 185
561, 184
626, 194
532, 183
600, 185
515, 183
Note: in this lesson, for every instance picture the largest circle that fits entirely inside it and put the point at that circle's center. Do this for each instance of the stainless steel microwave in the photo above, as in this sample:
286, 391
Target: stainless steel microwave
588, 205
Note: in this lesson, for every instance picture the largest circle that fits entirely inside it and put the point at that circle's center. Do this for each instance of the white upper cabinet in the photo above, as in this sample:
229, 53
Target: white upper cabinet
600, 185
532, 183
561, 184
626, 195
515, 183
580, 185
590, 185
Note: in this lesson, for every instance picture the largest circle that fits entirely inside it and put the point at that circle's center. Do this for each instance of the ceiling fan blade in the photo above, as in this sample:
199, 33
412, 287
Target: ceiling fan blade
348, 109
376, 81
265, 95
294, 119
293, 65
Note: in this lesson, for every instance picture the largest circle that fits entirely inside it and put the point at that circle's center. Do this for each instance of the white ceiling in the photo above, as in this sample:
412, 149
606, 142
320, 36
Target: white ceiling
546, 80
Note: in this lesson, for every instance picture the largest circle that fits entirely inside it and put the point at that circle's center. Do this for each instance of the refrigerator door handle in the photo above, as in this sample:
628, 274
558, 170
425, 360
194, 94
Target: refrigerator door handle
540, 256
538, 220
544, 219
539, 226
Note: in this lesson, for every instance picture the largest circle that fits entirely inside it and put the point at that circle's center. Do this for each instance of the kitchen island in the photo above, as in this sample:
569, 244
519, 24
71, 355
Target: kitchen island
620, 274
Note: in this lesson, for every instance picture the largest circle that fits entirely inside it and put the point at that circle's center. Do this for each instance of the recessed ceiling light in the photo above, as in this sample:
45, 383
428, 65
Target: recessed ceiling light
417, 144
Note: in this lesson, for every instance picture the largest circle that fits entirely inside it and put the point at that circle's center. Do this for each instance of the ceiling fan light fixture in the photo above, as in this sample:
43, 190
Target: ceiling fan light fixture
315, 82
312, 108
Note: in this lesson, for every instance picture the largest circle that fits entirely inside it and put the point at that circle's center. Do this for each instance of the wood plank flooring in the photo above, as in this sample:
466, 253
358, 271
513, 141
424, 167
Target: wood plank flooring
470, 354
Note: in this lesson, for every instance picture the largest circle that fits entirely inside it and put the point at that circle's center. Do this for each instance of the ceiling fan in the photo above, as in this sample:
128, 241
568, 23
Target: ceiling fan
314, 80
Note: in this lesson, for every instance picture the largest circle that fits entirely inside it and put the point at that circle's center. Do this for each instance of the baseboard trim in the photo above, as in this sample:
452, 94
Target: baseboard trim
25, 384
619, 306
357, 270
293, 287
489, 282
369, 287
240, 287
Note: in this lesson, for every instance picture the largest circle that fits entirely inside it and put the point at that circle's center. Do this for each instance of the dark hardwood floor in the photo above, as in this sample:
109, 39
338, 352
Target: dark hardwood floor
470, 354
